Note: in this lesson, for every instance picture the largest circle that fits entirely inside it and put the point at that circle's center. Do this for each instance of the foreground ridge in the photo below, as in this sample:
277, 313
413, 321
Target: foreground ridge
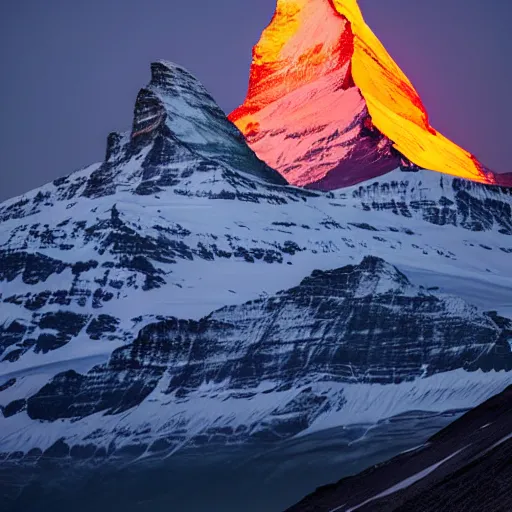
464, 466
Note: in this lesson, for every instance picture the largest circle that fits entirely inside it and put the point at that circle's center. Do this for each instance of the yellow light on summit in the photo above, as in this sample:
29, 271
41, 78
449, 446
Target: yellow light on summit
310, 39
396, 108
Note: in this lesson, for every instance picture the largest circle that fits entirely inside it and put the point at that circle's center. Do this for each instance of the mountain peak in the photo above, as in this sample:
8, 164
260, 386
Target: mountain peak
328, 107
372, 276
177, 102
165, 74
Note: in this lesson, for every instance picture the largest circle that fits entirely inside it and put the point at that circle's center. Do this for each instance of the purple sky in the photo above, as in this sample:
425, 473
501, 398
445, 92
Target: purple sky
71, 70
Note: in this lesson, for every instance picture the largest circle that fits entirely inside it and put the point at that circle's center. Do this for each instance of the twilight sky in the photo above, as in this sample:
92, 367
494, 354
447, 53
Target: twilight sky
72, 70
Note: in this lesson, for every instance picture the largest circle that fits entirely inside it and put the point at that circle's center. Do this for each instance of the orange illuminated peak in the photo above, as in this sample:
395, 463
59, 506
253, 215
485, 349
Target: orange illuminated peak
327, 106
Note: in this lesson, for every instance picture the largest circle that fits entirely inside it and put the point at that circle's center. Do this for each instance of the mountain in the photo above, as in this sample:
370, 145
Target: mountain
180, 293
328, 107
464, 467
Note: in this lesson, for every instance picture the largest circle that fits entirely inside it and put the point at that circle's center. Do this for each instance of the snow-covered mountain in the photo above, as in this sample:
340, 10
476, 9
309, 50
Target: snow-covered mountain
180, 292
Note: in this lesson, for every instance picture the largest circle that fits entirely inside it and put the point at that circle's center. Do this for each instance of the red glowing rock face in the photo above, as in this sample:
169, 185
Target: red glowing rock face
328, 107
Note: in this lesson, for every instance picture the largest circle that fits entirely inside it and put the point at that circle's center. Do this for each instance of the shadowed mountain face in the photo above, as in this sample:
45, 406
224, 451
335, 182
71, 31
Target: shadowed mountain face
328, 107
464, 467
176, 105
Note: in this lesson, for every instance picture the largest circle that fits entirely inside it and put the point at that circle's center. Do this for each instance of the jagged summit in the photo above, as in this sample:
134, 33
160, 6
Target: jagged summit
177, 131
174, 99
328, 107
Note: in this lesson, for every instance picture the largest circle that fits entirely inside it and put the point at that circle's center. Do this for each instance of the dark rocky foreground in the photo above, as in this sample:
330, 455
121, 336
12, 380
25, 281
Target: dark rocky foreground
267, 477
465, 467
